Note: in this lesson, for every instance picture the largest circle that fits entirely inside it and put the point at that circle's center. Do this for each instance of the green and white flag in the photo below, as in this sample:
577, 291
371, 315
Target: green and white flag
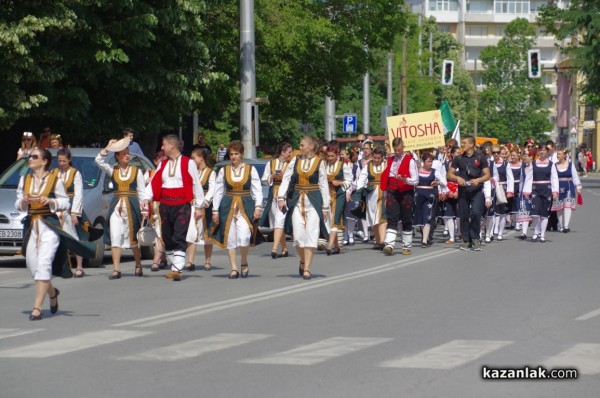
450, 125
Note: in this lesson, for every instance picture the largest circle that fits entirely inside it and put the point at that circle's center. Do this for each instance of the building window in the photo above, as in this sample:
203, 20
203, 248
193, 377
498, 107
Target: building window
476, 30
444, 28
500, 30
473, 53
443, 5
548, 79
480, 7
511, 7
547, 54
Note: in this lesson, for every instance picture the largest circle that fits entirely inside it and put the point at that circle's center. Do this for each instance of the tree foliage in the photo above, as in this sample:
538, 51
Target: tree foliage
579, 25
511, 106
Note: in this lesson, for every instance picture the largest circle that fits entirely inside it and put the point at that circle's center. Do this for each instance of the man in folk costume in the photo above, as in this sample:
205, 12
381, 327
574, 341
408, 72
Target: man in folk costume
175, 184
398, 180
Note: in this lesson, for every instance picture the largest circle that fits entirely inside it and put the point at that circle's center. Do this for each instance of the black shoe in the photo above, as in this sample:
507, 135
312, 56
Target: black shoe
300, 269
523, 237
424, 245
328, 251
36, 317
54, 308
245, 274
567, 230
115, 275
284, 253
233, 274
274, 254
306, 275
335, 250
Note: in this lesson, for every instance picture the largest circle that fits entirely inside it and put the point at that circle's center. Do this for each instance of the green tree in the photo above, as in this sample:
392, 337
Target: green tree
511, 106
579, 24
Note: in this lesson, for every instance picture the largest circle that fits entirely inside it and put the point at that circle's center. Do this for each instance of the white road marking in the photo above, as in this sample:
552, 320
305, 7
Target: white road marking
5, 333
319, 352
589, 315
584, 357
449, 355
275, 293
65, 345
195, 348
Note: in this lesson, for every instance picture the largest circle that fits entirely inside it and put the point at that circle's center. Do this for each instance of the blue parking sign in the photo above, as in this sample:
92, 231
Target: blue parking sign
350, 123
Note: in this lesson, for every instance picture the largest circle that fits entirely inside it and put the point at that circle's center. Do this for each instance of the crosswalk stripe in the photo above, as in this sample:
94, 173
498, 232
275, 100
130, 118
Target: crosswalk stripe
584, 357
449, 355
45, 349
195, 348
319, 352
6, 333
589, 315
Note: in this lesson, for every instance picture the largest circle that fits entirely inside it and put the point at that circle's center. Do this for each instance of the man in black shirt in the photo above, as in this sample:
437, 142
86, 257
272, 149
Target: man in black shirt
470, 170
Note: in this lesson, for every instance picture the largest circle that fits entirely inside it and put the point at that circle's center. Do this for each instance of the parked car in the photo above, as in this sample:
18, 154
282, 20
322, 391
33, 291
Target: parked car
97, 196
259, 165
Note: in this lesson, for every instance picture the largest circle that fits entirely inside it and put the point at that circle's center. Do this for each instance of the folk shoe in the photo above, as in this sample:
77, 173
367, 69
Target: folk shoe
175, 275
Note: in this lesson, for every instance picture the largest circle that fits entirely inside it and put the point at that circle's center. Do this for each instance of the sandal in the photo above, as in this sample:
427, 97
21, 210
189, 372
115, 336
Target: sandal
190, 267
207, 267
233, 274
54, 308
138, 271
301, 268
115, 275
155, 267
306, 275
274, 254
36, 317
79, 274
245, 274
284, 253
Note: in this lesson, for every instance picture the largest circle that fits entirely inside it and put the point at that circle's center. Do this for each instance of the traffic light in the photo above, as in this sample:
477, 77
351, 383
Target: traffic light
533, 64
447, 72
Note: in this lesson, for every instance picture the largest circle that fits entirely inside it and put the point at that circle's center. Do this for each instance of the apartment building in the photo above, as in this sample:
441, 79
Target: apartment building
481, 23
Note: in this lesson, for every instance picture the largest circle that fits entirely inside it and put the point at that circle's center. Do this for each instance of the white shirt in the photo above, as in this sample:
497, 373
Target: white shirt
255, 188
176, 179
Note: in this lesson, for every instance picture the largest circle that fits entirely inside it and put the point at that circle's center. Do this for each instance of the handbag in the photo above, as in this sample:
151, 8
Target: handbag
500, 195
146, 235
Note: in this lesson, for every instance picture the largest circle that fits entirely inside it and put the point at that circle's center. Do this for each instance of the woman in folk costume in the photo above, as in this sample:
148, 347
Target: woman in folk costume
339, 176
308, 207
541, 184
524, 202
569, 186
450, 198
496, 218
398, 181
237, 204
514, 168
42, 194
354, 164
160, 259
75, 220
124, 212
368, 189
427, 192
196, 231
272, 216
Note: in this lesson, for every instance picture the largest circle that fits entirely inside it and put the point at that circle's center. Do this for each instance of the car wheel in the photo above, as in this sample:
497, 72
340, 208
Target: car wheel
98, 258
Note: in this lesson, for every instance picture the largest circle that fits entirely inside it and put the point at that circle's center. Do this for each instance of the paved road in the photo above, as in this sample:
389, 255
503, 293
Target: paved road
366, 325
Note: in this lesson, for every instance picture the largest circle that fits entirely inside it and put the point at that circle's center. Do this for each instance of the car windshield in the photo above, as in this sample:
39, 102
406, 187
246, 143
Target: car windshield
90, 172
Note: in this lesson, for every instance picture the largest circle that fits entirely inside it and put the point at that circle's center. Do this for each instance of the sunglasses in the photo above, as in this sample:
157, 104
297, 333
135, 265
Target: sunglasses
496, 152
34, 156
361, 140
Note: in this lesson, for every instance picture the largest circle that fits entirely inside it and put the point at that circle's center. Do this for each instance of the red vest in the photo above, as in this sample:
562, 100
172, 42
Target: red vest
394, 184
173, 196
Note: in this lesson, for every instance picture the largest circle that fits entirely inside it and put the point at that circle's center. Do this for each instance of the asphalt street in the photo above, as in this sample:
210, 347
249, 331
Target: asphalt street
366, 325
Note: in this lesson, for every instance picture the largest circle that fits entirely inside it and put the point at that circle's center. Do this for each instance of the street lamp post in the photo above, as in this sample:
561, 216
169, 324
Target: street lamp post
247, 76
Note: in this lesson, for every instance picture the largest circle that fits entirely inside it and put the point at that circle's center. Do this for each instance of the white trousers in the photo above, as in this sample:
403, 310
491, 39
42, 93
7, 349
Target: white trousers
276, 216
119, 228
306, 231
40, 251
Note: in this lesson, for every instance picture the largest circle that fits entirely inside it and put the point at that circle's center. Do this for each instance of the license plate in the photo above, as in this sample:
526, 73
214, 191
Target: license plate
11, 234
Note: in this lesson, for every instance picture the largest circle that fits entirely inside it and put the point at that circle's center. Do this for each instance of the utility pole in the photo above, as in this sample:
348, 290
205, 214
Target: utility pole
329, 119
390, 65
403, 78
247, 77
476, 102
366, 105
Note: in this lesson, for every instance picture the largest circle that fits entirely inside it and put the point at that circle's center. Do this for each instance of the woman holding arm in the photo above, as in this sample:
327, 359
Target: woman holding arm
124, 213
196, 230
237, 204
308, 208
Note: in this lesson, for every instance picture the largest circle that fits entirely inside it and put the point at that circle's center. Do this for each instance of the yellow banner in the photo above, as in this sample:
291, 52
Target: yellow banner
417, 130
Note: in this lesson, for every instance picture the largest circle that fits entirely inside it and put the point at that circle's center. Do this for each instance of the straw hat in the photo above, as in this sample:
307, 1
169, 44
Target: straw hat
118, 146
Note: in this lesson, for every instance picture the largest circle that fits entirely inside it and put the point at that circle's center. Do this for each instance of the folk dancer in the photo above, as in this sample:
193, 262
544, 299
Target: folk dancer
124, 212
160, 259
470, 170
41, 194
237, 205
431, 183
541, 184
197, 232
308, 207
339, 176
398, 180
498, 212
176, 186
274, 217
569, 186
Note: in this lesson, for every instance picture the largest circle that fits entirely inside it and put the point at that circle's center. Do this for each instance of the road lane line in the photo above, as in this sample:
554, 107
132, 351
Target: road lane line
275, 293
584, 357
318, 352
195, 348
449, 355
45, 349
6, 333
589, 315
